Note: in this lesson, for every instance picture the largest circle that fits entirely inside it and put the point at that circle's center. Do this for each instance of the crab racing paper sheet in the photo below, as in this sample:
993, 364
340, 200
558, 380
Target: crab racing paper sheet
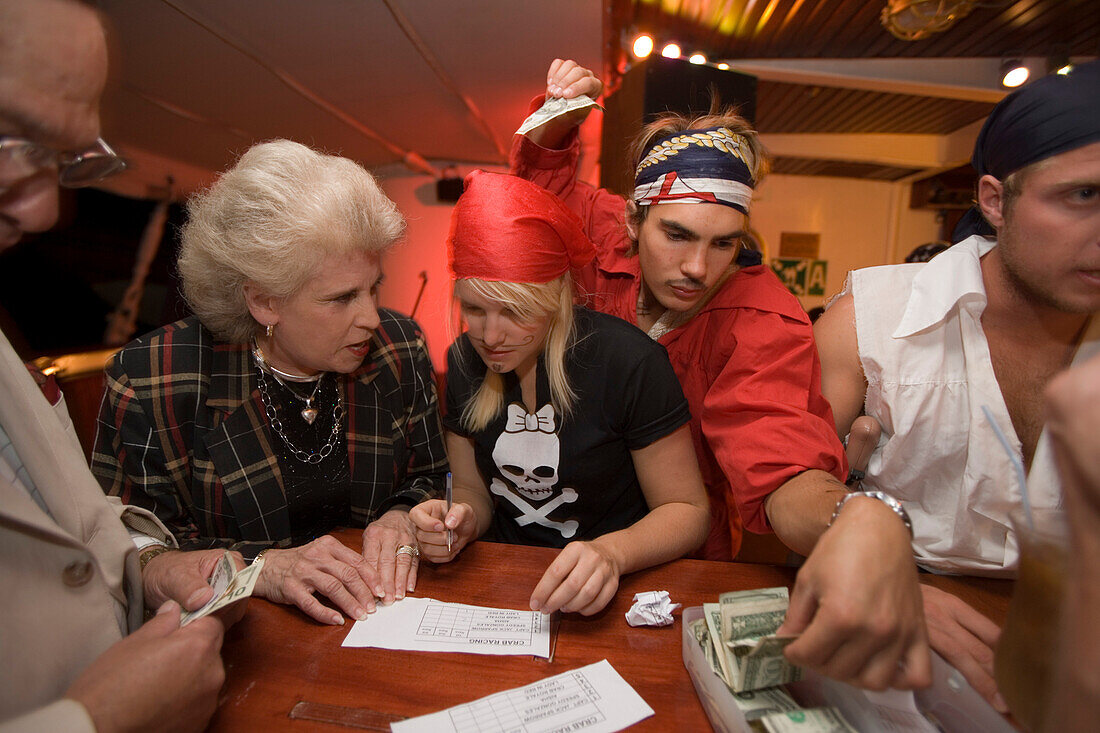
428, 625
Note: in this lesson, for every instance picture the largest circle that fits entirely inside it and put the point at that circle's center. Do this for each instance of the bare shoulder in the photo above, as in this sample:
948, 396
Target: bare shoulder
835, 332
842, 379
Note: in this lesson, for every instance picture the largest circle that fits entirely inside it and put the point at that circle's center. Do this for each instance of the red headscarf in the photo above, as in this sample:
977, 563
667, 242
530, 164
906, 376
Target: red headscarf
507, 229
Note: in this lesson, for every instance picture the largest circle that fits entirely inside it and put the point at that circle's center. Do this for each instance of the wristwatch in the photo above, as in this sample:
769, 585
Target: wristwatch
886, 499
150, 551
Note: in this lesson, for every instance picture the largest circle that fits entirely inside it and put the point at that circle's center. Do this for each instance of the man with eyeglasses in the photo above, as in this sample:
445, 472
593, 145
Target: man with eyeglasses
74, 577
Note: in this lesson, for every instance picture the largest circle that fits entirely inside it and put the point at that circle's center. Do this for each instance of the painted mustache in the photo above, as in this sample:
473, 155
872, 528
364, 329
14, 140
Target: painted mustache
502, 347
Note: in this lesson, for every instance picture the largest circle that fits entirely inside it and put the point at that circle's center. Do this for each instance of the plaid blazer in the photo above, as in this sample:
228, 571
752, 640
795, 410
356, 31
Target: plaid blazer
182, 432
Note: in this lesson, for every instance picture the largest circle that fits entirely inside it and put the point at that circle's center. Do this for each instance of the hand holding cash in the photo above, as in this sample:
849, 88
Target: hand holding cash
554, 108
570, 93
229, 587
742, 628
737, 636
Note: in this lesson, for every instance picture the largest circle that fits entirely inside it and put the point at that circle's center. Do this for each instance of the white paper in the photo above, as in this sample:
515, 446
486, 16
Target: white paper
594, 699
651, 608
428, 625
896, 710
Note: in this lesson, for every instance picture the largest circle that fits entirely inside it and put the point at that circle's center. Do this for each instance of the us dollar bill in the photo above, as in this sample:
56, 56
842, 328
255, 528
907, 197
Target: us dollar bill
753, 654
756, 704
702, 636
753, 704
712, 613
230, 586
814, 720
555, 107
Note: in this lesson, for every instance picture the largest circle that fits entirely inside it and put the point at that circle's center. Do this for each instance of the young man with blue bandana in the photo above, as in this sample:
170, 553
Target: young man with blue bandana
670, 261
936, 351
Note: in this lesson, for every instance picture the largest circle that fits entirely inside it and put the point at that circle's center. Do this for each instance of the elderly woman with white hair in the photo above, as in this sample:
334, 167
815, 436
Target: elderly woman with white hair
289, 403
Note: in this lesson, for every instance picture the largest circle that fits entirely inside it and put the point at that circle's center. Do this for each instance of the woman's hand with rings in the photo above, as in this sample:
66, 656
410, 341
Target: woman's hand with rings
432, 521
384, 541
323, 566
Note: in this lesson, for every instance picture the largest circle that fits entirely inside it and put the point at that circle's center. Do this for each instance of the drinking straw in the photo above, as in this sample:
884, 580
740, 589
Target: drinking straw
1017, 464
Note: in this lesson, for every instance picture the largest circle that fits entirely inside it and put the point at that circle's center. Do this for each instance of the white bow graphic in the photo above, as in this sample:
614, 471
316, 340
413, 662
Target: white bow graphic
519, 420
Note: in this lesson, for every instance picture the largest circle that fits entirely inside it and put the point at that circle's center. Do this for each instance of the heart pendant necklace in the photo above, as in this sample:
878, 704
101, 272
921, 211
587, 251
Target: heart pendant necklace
309, 412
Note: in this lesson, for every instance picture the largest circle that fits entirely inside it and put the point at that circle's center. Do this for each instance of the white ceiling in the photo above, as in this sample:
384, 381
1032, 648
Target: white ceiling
196, 82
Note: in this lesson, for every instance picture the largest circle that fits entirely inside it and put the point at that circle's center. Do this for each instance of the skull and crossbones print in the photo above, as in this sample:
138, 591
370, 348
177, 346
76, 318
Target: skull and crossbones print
527, 455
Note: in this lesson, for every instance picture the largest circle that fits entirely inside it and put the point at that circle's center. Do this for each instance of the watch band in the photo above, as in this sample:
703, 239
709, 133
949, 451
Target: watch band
886, 499
152, 550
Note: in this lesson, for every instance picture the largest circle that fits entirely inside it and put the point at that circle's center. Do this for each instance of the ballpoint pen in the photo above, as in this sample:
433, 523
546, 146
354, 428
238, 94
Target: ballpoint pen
450, 536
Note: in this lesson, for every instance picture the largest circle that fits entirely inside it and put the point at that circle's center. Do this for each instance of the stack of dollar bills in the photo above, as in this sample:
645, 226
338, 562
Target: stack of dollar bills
738, 639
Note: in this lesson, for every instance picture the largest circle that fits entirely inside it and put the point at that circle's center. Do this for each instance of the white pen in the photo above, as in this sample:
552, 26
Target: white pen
450, 536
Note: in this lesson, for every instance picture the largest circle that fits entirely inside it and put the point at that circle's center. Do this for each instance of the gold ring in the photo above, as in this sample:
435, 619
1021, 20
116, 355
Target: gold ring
410, 550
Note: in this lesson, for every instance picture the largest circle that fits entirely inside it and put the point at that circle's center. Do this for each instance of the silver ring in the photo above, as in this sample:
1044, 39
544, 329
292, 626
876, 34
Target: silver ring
410, 550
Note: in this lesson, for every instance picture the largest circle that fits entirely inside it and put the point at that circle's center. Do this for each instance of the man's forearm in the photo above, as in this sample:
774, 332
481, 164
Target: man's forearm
799, 510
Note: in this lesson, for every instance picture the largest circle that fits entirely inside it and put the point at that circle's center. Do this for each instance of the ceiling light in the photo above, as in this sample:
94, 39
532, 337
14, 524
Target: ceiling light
642, 46
1013, 73
671, 51
724, 66
1058, 63
912, 20
697, 58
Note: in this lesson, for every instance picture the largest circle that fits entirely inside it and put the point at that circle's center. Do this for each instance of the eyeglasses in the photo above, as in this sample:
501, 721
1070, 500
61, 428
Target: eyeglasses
74, 170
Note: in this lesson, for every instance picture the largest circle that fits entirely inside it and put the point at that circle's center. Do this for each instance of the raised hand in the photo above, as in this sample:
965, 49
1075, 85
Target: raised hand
567, 79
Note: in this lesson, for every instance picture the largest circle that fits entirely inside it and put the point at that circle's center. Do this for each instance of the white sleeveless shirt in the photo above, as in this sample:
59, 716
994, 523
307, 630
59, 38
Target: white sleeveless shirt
929, 373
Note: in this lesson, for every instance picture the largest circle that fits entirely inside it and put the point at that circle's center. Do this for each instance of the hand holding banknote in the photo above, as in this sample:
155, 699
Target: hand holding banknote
161, 677
184, 577
570, 91
568, 79
857, 604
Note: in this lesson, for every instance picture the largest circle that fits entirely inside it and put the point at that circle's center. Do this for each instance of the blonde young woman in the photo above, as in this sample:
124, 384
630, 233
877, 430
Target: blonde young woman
564, 427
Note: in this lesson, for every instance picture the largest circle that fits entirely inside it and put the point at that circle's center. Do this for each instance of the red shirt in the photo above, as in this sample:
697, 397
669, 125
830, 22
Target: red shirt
746, 362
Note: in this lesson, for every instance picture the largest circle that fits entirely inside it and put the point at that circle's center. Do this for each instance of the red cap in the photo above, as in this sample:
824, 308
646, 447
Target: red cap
507, 229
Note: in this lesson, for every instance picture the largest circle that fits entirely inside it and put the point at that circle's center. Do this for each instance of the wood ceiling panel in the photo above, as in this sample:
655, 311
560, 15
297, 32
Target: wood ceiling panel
810, 29
838, 169
852, 29
802, 108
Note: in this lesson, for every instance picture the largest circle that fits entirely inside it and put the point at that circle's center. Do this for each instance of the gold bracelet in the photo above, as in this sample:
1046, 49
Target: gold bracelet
150, 552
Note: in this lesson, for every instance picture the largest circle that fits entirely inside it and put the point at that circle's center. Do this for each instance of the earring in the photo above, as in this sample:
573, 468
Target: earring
270, 329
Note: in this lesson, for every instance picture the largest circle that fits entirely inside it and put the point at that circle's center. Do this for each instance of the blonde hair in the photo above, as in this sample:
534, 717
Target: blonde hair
270, 220
529, 301
672, 123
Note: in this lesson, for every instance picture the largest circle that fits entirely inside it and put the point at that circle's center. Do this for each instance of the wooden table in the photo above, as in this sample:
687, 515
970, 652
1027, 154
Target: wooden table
286, 672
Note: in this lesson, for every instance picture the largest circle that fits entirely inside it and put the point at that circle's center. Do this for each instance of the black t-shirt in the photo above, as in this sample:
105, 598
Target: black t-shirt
553, 481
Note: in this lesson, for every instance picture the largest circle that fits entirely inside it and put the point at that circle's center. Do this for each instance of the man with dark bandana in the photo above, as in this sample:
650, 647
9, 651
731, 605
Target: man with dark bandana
948, 354
743, 350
